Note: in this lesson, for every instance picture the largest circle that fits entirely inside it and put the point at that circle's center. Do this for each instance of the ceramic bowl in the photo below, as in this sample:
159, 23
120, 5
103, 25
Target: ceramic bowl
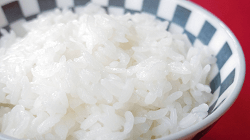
201, 27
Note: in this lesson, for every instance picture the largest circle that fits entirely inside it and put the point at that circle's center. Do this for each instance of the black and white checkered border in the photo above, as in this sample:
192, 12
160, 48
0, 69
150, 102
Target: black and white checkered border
181, 19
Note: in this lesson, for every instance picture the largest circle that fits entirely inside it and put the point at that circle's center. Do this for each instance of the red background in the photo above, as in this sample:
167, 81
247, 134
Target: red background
235, 123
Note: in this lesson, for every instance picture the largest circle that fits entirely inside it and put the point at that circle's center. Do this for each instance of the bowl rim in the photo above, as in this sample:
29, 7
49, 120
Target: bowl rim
6, 137
193, 130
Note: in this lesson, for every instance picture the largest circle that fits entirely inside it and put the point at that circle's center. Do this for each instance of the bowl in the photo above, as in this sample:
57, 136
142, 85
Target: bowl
202, 27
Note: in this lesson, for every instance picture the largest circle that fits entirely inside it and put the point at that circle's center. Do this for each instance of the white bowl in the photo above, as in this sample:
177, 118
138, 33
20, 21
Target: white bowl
201, 26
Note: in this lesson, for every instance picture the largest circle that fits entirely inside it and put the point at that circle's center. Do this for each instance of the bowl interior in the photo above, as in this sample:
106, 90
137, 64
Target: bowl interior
201, 27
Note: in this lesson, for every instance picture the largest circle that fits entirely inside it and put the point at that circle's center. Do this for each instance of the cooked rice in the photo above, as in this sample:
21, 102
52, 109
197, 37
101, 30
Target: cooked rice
95, 76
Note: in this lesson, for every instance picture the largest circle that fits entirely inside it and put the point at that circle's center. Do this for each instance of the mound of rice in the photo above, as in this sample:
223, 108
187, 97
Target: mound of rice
94, 76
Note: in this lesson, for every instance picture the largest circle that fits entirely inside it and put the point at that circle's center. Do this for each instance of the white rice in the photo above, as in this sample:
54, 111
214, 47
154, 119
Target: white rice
93, 76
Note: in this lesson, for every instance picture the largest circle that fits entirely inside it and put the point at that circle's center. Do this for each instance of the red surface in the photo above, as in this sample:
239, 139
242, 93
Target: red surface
235, 124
